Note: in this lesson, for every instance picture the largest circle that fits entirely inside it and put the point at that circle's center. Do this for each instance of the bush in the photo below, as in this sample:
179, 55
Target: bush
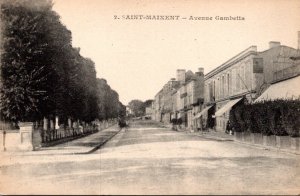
291, 117
275, 114
247, 117
277, 117
233, 121
260, 117
239, 114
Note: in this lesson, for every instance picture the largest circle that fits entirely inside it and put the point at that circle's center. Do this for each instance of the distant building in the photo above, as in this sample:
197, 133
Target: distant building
149, 111
128, 111
192, 97
179, 97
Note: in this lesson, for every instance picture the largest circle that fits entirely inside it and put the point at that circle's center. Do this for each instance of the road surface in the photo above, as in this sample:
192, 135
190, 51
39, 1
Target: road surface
150, 159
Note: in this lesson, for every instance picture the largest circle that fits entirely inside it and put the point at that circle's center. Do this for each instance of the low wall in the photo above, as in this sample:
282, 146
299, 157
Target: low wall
9, 140
279, 142
28, 138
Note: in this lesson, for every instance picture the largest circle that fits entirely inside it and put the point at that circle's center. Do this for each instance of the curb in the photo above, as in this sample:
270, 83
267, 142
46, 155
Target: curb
252, 145
91, 149
268, 148
247, 144
101, 144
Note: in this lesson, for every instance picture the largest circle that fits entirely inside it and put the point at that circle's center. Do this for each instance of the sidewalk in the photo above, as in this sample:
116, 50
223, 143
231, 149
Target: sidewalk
222, 136
83, 145
212, 134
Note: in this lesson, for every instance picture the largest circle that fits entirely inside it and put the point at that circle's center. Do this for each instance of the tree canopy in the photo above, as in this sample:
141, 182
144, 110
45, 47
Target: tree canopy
137, 107
42, 73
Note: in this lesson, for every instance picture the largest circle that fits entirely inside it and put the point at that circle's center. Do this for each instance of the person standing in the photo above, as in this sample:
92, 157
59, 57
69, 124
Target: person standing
228, 128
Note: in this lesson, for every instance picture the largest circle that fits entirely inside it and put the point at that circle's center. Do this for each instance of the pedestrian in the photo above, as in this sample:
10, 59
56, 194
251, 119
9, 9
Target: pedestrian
228, 128
179, 122
173, 121
122, 122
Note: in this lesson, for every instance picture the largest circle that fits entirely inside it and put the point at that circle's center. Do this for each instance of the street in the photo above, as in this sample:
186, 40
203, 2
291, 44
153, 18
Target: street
147, 158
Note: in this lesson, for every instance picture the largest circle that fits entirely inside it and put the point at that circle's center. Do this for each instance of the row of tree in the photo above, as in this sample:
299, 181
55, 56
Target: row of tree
138, 107
42, 74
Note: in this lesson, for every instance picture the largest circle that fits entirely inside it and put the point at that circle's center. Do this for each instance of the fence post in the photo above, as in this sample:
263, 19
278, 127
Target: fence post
4, 133
56, 127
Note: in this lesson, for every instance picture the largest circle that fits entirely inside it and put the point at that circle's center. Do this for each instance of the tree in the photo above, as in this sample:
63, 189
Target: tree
147, 103
27, 79
43, 75
137, 107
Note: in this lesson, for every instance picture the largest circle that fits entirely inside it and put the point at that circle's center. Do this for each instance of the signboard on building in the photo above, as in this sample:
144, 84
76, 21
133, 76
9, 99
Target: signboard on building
258, 65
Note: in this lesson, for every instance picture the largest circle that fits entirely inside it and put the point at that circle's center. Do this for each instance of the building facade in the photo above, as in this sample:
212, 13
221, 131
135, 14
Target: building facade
179, 98
246, 75
205, 101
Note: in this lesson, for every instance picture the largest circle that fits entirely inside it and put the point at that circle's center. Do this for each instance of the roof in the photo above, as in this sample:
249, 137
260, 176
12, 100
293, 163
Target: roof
266, 54
286, 89
250, 50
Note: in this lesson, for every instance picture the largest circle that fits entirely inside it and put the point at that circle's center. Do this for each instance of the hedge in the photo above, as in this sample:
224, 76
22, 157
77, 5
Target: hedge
277, 117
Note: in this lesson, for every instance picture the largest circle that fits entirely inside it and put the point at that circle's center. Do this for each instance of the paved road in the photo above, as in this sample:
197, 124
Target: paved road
148, 159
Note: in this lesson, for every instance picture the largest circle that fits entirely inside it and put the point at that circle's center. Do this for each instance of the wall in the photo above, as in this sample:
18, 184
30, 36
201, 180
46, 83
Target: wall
234, 78
12, 140
276, 59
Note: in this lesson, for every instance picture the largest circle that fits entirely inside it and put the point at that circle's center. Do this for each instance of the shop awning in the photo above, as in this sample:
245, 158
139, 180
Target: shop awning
202, 112
287, 89
227, 107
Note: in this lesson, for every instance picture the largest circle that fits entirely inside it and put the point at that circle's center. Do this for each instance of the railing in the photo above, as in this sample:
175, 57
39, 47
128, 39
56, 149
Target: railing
65, 134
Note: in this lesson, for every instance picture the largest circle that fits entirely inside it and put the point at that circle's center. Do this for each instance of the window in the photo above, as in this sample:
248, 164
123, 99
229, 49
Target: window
237, 80
218, 88
223, 87
228, 84
242, 78
214, 88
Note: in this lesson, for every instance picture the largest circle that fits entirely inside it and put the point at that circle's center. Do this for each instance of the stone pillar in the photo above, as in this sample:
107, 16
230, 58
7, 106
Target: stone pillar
52, 125
74, 124
56, 122
69, 123
52, 129
69, 130
45, 129
26, 133
45, 124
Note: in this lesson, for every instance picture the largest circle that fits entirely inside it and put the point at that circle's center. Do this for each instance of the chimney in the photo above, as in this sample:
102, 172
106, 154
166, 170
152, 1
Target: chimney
273, 44
201, 70
181, 75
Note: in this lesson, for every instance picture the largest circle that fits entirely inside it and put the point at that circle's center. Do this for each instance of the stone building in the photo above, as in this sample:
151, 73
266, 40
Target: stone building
193, 99
163, 105
157, 106
178, 98
245, 75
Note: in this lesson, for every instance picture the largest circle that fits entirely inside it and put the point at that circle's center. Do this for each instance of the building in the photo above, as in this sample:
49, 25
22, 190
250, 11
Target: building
149, 111
179, 97
157, 106
205, 101
192, 97
128, 111
245, 75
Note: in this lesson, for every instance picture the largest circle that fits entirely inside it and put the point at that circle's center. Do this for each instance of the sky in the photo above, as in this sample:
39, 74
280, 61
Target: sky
137, 57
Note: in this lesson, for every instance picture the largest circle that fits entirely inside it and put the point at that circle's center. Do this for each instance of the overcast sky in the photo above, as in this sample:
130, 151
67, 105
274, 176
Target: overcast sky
137, 57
